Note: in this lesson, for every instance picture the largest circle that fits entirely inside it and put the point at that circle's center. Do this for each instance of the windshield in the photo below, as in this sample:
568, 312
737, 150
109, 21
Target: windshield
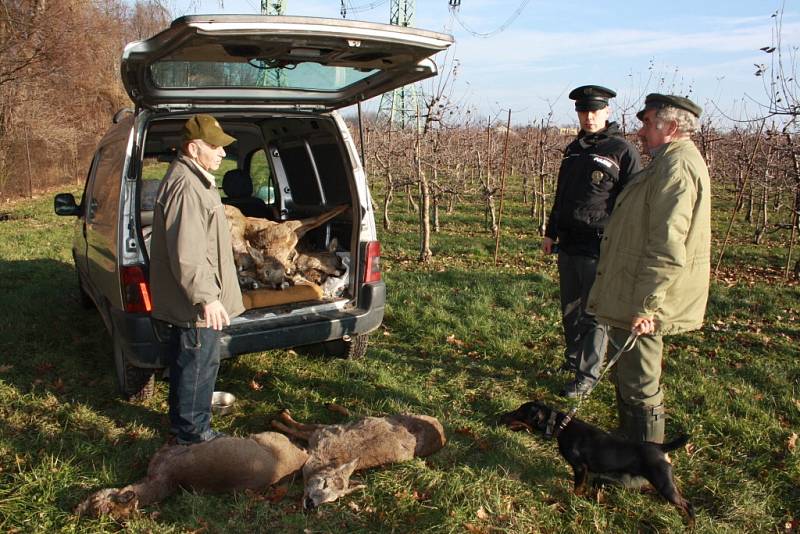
254, 74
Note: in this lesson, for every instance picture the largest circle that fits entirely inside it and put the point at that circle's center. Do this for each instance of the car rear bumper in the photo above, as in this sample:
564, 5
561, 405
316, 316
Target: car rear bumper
145, 341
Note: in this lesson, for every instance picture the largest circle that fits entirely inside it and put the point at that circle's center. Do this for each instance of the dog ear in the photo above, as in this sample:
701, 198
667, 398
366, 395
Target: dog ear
123, 497
540, 415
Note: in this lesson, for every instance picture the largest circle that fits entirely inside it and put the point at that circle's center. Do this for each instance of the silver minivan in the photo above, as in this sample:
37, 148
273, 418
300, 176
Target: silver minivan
274, 83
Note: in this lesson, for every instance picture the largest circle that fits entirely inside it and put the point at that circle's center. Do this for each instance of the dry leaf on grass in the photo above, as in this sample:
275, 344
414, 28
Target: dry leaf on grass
338, 408
482, 514
420, 496
455, 341
475, 529
689, 448
792, 442
277, 493
255, 386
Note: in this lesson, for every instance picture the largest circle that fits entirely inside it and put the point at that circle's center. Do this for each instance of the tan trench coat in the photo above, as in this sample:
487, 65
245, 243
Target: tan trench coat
191, 258
656, 248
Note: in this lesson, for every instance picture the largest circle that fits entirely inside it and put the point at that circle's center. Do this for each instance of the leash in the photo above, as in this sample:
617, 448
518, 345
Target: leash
550, 433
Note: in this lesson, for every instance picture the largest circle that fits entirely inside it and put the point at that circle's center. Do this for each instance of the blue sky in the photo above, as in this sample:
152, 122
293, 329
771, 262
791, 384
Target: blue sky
706, 49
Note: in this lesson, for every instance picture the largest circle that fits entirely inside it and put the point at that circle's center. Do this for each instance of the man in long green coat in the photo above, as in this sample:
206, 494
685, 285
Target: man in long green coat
653, 274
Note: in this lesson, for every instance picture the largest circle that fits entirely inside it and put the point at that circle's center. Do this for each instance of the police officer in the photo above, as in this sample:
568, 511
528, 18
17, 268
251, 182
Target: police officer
594, 169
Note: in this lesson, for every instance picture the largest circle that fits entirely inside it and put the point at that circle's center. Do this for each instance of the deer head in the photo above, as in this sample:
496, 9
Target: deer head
328, 484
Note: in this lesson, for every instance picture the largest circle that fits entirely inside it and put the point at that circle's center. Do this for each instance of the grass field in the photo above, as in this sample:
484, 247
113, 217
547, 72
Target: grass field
462, 340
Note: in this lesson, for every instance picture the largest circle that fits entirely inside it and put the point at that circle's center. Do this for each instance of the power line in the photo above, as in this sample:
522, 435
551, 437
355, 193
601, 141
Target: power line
455, 4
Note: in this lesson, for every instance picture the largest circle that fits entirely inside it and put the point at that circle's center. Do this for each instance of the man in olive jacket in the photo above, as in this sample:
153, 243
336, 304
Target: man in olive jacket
653, 274
193, 276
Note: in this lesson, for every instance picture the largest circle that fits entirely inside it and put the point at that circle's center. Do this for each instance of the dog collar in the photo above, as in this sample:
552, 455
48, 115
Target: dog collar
551, 424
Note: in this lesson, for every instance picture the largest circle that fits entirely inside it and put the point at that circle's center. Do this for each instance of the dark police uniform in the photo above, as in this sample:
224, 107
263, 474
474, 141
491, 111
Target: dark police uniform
594, 169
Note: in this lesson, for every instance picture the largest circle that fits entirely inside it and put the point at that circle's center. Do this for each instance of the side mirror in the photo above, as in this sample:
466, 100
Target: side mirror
64, 204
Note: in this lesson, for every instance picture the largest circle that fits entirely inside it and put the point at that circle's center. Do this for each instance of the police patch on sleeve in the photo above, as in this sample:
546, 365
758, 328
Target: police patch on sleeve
597, 177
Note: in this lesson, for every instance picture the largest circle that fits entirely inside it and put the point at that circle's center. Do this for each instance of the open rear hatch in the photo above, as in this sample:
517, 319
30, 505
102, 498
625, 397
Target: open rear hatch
275, 62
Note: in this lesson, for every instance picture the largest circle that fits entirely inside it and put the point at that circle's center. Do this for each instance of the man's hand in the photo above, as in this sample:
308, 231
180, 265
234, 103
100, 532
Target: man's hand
643, 325
547, 245
216, 316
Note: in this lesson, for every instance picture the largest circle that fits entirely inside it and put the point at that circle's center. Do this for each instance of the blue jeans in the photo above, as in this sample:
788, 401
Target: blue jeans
193, 367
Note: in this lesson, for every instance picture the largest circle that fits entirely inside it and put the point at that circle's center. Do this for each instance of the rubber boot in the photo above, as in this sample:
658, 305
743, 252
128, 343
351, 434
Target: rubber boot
644, 423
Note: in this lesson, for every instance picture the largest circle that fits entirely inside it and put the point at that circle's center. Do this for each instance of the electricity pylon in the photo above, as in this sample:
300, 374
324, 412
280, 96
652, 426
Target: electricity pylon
400, 106
273, 7
273, 77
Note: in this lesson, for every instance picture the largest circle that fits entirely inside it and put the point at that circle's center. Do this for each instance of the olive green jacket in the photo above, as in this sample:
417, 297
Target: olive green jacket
656, 248
191, 258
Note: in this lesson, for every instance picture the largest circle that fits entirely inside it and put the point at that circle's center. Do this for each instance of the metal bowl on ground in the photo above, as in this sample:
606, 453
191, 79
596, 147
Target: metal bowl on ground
222, 402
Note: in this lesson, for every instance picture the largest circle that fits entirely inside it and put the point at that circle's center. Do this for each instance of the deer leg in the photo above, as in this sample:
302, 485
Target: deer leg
286, 417
295, 433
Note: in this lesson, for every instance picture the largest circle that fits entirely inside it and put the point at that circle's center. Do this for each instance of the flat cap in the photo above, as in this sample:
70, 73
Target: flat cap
658, 101
591, 97
207, 128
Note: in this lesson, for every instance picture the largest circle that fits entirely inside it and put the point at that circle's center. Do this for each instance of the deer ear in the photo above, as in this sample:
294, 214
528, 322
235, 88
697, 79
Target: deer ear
348, 468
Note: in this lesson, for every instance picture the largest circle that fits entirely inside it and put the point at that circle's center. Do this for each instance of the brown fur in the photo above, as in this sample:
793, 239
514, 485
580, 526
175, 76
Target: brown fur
267, 248
220, 465
335, 451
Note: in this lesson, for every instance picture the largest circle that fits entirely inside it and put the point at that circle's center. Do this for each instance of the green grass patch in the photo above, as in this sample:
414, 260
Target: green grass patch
462, 340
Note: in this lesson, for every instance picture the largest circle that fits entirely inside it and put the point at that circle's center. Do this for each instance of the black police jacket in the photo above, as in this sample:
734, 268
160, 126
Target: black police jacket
593, 171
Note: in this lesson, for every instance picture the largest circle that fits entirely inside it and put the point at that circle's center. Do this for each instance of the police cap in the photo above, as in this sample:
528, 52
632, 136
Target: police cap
591, 97
658, 101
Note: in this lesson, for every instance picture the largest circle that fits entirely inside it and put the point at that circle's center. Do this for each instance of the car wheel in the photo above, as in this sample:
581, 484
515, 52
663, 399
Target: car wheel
136, 384
83, 297
350, 347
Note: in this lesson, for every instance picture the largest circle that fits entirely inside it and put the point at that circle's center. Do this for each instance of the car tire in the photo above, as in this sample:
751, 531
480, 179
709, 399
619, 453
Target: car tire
350, 348
136, 384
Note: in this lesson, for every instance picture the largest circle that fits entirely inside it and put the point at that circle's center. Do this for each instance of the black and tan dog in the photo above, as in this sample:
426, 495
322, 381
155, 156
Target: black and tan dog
591, 450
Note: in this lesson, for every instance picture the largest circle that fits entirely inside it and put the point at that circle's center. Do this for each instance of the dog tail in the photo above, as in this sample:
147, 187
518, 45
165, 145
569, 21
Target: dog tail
676, 443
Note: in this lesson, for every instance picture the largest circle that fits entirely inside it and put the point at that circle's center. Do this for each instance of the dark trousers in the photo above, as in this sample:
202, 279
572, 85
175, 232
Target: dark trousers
193, 370
585, 338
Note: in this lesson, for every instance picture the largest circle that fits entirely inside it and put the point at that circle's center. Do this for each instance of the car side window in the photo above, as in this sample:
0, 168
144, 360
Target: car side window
87, 187
103, 204
262, 181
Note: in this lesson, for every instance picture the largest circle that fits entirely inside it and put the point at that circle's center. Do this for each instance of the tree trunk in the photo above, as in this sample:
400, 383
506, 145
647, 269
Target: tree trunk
424, 206
387, 200
412, 204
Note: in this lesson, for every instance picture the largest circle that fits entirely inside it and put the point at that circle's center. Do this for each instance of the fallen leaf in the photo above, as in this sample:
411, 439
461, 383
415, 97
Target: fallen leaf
689, 448
481, 514
474, 529
278, 493
58, 385
255, 386
464, 431
354, 506
792, 442
338, 408
44, 367
420, 496
455, 341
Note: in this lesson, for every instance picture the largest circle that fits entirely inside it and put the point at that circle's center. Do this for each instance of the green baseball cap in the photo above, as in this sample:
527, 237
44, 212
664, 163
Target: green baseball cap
206, 128
658, 101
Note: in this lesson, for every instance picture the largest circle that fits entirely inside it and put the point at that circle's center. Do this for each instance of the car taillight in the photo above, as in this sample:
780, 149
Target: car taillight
372, 266
135, 289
